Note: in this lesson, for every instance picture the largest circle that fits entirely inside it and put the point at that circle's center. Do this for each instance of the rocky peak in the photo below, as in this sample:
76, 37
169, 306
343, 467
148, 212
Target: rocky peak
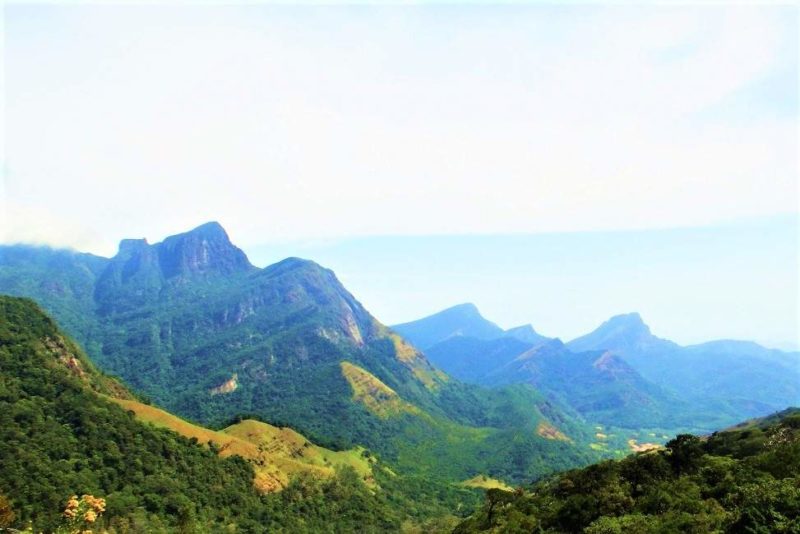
630, 323
305, 284
201, 251
130, 247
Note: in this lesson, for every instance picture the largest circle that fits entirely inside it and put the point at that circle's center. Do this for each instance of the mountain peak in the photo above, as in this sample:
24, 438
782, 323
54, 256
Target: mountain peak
203, 250
625, 333
460, 320
132, 246
527, 334
627, 318
211, 229
627, 323
465, 309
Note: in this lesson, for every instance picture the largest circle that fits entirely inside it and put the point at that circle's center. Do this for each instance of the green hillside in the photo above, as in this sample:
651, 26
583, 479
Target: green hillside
66, 429
746, 479
191, 325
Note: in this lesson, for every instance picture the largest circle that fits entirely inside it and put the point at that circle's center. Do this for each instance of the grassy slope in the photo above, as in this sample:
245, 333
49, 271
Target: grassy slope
277, 454
484, 482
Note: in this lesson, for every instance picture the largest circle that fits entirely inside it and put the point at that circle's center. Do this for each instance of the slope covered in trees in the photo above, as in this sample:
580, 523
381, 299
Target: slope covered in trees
746, 479
62, 434
196, 328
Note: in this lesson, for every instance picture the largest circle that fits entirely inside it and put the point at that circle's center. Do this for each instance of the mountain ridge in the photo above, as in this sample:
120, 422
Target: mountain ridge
724, 380
283, 331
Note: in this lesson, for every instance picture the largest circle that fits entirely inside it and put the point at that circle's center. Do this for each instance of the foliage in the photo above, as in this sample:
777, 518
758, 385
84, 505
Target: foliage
81, 514
741, 480
176, 328
59, 435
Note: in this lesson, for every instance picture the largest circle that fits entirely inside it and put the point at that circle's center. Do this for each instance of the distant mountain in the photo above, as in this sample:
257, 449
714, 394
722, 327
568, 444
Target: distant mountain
192, 325
461, 320
473, 360
624, 334
646, 380
599, 385
527, 334
746, 377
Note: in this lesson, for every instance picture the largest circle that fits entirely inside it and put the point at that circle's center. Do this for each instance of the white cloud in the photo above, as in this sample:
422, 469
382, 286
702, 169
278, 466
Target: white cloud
288, 123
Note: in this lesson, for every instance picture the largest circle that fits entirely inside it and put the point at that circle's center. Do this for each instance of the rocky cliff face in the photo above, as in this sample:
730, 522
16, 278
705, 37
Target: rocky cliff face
206, 250
140, 273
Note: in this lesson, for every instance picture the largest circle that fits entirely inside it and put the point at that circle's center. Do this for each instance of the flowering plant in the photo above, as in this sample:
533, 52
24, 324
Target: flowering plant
80, 514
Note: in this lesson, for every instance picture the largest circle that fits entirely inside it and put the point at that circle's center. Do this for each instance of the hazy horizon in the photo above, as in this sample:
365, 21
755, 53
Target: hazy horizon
555, 165
541, 279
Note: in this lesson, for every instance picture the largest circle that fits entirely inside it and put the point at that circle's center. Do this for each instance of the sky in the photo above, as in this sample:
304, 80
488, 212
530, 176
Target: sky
618, 133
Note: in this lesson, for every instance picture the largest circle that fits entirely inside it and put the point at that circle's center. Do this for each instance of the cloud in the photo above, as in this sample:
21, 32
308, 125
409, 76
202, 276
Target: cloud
304, 123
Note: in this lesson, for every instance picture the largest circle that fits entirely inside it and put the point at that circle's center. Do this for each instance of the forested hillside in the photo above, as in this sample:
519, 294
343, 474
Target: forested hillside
746, 479
63, 433
193, 326
620, 374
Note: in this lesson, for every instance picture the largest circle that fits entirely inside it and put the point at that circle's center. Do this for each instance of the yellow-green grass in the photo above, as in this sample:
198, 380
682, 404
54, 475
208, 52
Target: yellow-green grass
548, 431
642, 447
294, 453
431, 378
277, 454
376, 396
404, 351
484, 482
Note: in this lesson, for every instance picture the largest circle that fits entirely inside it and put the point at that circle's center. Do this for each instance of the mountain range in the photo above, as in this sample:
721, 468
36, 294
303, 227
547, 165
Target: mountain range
278, 390
619, 374
191, 325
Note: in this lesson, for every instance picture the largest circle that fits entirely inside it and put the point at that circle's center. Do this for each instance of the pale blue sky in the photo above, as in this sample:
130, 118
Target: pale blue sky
338, 124
733, 281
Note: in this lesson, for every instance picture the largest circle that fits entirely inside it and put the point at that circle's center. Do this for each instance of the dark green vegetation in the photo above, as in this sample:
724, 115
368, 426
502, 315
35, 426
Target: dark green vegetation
619, 375
59, 435
190, 324
746, 479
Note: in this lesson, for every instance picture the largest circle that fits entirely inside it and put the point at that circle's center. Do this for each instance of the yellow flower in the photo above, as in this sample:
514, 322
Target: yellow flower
98, 504
90, 516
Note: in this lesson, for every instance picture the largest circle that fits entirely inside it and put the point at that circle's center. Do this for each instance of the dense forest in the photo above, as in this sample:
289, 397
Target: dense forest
60, 435
746, 479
